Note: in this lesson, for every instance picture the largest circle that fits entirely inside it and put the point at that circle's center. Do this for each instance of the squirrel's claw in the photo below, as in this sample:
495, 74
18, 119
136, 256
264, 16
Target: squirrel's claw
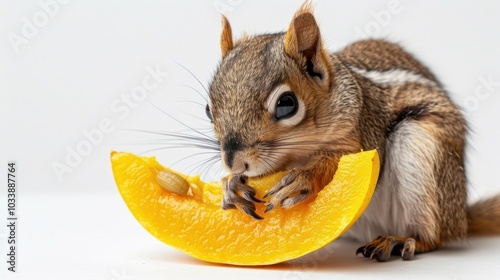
293, 189
270, 206
251, 197
384, 246
228, 205
251, 212
236, 194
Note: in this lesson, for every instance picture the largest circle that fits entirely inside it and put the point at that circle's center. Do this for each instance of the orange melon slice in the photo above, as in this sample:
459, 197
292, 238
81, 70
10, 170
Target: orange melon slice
196, 224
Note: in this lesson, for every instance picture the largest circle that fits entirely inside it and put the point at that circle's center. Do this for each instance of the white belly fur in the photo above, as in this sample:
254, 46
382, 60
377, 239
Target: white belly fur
401, 203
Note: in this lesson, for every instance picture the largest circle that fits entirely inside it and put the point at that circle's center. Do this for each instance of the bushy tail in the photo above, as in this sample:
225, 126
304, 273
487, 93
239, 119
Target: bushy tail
484, 217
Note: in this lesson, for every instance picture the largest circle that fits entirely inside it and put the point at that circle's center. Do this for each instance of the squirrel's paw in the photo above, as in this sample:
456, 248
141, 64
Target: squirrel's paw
236, 194
384, 246
293, 189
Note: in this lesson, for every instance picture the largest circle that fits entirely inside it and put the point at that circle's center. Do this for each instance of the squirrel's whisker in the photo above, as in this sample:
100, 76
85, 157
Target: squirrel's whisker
193, 75
197, 91
182, 123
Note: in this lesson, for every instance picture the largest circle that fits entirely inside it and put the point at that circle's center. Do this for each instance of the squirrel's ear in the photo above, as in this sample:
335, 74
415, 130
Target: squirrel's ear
226, 37
303, 44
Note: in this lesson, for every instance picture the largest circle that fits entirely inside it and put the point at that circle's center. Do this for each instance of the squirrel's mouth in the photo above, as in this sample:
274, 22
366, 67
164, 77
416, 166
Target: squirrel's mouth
255, 162
252, 169
255, 173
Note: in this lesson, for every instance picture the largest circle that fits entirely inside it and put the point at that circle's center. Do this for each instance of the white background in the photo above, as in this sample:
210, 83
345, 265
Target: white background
79, 61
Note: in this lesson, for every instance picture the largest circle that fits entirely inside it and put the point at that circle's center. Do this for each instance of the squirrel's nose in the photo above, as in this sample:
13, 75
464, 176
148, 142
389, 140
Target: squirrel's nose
234, 162
232, 155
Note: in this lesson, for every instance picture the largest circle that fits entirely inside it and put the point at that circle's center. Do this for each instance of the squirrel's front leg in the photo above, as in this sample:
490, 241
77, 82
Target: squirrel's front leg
301, 185
236, 194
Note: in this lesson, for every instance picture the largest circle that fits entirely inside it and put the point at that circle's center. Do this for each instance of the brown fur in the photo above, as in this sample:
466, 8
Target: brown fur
226, 38
483, 215
345, 111
381, 55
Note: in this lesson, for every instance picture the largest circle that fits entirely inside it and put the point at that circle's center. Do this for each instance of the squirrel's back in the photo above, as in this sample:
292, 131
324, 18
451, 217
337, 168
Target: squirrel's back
380, 55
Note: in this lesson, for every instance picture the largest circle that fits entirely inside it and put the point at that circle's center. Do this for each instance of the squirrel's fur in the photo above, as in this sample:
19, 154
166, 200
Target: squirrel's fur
371, 95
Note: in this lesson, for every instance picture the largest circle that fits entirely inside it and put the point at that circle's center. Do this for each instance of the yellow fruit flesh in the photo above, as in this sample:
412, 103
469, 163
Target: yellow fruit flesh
196, 224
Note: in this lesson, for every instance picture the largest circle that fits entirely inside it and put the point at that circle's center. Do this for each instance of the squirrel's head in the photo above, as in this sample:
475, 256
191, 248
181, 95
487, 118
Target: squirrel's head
269, 98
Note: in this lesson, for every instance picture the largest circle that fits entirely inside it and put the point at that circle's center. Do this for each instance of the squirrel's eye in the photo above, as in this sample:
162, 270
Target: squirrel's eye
207, 111
287, 105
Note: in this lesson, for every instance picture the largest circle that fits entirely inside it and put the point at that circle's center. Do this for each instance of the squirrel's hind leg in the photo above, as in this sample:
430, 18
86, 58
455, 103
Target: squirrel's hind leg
384, 246
410, 210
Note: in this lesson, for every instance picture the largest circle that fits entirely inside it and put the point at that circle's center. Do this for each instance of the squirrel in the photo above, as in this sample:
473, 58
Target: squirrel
282, 102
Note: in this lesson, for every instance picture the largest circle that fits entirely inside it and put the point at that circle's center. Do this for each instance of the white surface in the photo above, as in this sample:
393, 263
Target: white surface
90, 237
74, 73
